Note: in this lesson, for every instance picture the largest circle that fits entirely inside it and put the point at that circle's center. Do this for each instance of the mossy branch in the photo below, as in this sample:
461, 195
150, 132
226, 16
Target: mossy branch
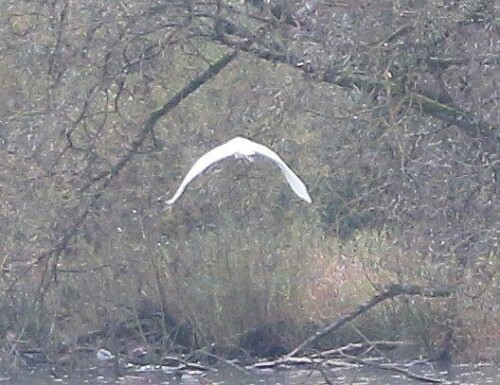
472, 125
335, 74
108, 176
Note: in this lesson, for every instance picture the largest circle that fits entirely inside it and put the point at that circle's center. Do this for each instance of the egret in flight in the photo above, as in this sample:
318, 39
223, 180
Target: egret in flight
241, 148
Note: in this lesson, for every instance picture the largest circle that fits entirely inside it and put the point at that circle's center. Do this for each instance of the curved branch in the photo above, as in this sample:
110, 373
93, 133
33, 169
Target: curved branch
391, 291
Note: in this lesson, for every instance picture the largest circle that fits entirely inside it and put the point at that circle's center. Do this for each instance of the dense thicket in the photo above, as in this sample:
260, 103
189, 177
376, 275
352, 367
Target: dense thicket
388, 110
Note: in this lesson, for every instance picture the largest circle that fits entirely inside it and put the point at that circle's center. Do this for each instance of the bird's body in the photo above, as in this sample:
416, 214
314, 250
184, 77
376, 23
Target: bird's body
190, 379
241, 148
104, 355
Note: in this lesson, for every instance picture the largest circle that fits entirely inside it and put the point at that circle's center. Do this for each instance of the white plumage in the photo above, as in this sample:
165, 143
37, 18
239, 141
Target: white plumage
104, 355
241, 148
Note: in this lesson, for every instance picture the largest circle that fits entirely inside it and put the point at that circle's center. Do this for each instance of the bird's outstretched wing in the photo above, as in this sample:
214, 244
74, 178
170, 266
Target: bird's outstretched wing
214, 155
241, 147
293, 180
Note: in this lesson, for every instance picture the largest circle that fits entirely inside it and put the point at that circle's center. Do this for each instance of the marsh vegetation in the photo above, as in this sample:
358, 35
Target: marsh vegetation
388, 110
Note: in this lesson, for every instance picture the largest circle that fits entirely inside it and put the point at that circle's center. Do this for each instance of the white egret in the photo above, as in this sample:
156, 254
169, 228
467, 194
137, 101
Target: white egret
241, 148
104, 355
190, 379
